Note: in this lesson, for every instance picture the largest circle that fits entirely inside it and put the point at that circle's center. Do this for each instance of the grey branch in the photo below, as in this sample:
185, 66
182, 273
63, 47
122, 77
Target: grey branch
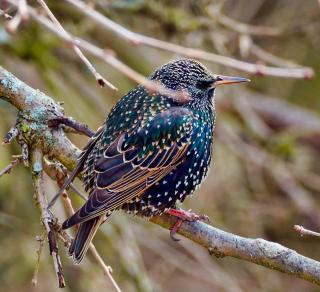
137, 39
46, 216
34, 104
259, 251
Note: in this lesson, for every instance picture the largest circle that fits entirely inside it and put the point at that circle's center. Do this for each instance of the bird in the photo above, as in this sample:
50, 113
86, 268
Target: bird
153, 151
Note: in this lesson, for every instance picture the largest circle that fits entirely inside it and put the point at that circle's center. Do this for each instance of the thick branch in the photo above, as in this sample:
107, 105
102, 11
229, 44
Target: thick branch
35, 111
259, 251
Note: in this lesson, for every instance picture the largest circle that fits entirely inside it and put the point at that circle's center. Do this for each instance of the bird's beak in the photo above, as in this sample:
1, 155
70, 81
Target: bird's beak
226, 80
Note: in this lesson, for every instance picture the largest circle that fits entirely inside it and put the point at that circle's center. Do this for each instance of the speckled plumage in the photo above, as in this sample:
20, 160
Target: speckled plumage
151, 153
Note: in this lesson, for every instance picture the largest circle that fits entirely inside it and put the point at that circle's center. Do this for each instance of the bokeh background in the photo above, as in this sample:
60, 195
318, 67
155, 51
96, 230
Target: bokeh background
265, 176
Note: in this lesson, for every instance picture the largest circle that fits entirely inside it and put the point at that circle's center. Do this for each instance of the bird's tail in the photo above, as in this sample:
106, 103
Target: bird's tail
83, 238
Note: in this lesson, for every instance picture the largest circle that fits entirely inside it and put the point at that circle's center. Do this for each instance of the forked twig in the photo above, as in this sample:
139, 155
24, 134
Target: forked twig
16, 159
46, 217
136, 39
101, 80
58, 175
21, 15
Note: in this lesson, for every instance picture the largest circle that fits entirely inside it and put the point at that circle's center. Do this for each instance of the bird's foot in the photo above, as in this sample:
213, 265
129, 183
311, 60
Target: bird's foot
183, 215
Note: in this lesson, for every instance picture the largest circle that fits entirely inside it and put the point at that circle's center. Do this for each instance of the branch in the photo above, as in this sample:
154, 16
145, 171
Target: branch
40, 241
303, 231
101, 80
243, 28
46, 217
35, 111
5, 15
78, 128
259, 251
108, 57
218, 242
56, 173
136, 39
21, 15
16, 159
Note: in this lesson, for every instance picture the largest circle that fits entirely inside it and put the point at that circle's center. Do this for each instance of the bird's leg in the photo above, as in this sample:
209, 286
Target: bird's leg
174, 229
183, 215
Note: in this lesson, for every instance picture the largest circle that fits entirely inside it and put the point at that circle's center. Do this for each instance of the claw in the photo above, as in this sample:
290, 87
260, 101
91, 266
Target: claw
183, 216
174, 229
205, 218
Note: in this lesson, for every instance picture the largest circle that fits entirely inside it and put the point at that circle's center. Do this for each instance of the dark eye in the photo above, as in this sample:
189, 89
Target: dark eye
204, 84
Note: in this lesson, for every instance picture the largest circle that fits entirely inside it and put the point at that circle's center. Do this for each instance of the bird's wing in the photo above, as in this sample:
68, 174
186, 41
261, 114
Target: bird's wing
136, 161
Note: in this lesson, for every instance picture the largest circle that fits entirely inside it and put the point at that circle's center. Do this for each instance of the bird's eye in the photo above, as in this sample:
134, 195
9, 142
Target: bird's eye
204, 84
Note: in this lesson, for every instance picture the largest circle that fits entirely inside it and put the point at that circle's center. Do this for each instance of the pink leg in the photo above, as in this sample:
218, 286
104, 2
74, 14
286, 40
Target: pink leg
183, 216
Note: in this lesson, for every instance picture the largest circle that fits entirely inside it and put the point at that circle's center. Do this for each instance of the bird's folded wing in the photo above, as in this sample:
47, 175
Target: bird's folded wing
136, 161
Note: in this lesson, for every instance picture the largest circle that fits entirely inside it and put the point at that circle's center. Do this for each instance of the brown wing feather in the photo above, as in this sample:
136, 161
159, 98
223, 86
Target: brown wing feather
128, 182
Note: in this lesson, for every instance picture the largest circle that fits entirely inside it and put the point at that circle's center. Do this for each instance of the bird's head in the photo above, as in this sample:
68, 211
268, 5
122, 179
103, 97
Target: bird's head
191, 76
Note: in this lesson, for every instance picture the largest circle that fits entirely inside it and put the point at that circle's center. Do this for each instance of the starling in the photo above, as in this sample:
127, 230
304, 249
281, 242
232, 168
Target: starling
152, 151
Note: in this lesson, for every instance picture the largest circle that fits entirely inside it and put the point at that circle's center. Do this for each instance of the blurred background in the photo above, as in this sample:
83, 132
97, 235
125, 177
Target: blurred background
266, 171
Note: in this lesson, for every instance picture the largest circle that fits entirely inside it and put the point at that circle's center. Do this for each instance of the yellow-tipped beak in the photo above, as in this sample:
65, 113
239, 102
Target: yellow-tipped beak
226, 80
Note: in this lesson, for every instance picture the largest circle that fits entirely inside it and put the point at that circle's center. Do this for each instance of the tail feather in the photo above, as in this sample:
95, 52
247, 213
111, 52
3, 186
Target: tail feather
83, 238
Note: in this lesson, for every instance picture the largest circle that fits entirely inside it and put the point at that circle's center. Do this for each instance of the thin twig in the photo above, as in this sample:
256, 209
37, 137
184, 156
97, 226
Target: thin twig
16, 159
23, 10
59, 175
180, 96
12, 133
5, 15
136, 39
240, 27
101, 80
80, 128
46, 217
21, 15
56, 171
303, 231
40, 240
270, 58
13, 24
153, 87
107, 270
